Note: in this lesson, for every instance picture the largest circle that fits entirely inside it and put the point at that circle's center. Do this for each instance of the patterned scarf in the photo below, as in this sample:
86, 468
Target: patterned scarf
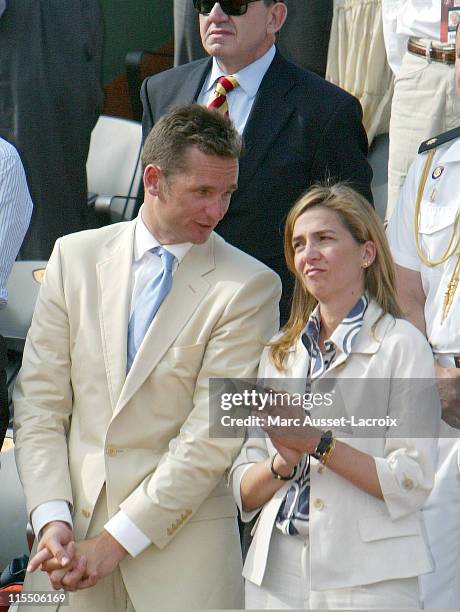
293, 514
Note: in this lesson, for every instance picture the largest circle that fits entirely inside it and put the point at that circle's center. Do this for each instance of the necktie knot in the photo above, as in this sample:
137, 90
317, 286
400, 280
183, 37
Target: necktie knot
167, 258
224, 85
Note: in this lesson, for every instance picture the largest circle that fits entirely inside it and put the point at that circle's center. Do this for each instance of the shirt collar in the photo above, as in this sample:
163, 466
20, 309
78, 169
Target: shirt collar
451, 153
144, 241
344, 335
249, 77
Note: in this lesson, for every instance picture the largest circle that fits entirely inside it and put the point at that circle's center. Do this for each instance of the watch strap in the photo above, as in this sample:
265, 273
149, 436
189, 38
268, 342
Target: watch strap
323, 445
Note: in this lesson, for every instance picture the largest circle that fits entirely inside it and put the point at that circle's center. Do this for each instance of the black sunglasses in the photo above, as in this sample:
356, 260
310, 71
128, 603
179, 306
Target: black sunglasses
230, 7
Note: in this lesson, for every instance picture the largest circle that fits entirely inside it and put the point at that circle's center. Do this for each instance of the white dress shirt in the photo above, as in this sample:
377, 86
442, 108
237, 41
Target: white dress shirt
405, 18
145, 266
15, 211
240, 99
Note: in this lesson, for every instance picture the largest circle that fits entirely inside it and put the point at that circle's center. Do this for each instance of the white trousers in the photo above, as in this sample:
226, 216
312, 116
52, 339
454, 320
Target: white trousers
424, 105
286, 584
441, 588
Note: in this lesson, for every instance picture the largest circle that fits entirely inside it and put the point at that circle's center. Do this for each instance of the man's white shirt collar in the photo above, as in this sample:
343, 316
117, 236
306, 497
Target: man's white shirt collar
144, 240
249, 77
450, 153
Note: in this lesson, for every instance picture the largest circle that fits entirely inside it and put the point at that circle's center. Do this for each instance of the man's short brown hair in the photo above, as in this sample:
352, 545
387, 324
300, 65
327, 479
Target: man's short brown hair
188, 126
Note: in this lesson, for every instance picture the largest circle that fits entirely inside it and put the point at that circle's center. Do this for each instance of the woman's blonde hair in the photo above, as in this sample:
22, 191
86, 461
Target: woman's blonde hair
362, 222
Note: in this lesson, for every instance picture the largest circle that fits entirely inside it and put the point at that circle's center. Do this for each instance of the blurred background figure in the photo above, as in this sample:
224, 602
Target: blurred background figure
15, 211
304, 38
424, 101
187, 41
357, 61
50, 98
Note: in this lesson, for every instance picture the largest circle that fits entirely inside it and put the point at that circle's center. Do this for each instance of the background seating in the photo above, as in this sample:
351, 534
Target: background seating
114, 168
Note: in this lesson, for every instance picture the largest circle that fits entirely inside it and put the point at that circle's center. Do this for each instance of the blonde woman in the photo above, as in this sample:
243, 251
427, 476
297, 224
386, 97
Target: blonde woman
342, 530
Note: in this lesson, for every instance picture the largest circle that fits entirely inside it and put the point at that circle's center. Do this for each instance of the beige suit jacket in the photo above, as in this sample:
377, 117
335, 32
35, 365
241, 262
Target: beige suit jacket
81, 422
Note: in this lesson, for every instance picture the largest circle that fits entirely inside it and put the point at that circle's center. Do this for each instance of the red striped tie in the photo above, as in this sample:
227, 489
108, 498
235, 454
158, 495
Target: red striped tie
218, 101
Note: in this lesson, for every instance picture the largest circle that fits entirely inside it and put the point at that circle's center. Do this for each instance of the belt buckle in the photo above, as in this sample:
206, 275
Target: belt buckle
428, 52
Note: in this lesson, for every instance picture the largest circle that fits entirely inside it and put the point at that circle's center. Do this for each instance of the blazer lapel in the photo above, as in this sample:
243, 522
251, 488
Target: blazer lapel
269, 113
189, 86
188, 290
114, 274
367, 342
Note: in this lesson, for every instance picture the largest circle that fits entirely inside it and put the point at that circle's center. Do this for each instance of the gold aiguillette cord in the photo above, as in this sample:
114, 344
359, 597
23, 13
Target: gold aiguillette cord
452, 247
451, 289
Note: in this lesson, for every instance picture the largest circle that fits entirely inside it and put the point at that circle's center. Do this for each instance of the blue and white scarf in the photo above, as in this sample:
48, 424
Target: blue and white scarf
293, 514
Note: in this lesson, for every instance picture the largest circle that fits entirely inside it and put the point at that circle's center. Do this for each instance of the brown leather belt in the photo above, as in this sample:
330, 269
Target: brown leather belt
437, 54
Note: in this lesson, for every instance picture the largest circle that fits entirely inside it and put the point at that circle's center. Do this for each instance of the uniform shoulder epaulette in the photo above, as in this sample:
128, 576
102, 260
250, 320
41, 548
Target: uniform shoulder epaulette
439, 140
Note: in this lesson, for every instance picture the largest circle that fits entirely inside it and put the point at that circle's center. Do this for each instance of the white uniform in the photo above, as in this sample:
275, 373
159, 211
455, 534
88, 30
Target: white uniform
424, 100
439, 206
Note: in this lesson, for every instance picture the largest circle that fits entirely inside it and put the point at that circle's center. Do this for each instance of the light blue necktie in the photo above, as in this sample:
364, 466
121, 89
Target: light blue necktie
148, 302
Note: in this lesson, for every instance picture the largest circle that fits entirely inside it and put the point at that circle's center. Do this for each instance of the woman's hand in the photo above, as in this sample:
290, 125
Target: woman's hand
287, 426
287, 458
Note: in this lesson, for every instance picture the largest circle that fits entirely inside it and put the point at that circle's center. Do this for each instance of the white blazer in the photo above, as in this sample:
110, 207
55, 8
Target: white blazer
355, 538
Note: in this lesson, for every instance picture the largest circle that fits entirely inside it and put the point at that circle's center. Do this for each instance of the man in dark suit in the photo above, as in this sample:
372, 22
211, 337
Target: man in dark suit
298, 128
50, 99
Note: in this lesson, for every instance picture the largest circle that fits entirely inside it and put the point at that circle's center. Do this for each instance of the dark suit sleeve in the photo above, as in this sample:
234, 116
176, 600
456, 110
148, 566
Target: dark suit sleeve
343, 148
147, 115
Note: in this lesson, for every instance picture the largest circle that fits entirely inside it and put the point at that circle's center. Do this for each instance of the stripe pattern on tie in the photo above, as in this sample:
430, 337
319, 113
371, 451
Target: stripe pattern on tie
148, 302
224, 86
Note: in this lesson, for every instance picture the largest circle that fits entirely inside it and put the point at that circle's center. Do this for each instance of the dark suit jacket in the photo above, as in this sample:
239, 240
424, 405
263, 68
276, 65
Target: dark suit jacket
301, 130
50, 99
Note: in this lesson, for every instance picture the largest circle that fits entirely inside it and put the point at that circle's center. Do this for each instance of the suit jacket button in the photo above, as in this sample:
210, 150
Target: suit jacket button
86, 513
408, 484
111, 452
318, 504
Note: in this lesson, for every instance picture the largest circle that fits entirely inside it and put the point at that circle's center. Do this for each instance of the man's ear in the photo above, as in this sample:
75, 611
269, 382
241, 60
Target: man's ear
278, 13
152, 176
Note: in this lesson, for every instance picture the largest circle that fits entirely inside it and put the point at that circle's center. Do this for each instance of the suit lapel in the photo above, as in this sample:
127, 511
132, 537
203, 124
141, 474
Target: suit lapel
194, 82
269, 114
188, 290
188, 87
367, 342
114, 274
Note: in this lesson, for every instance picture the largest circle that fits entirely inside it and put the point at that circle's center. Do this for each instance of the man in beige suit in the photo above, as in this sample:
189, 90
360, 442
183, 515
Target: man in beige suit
114, 450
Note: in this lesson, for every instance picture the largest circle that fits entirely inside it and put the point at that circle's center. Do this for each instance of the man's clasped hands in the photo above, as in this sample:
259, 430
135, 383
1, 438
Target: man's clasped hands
74, 565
